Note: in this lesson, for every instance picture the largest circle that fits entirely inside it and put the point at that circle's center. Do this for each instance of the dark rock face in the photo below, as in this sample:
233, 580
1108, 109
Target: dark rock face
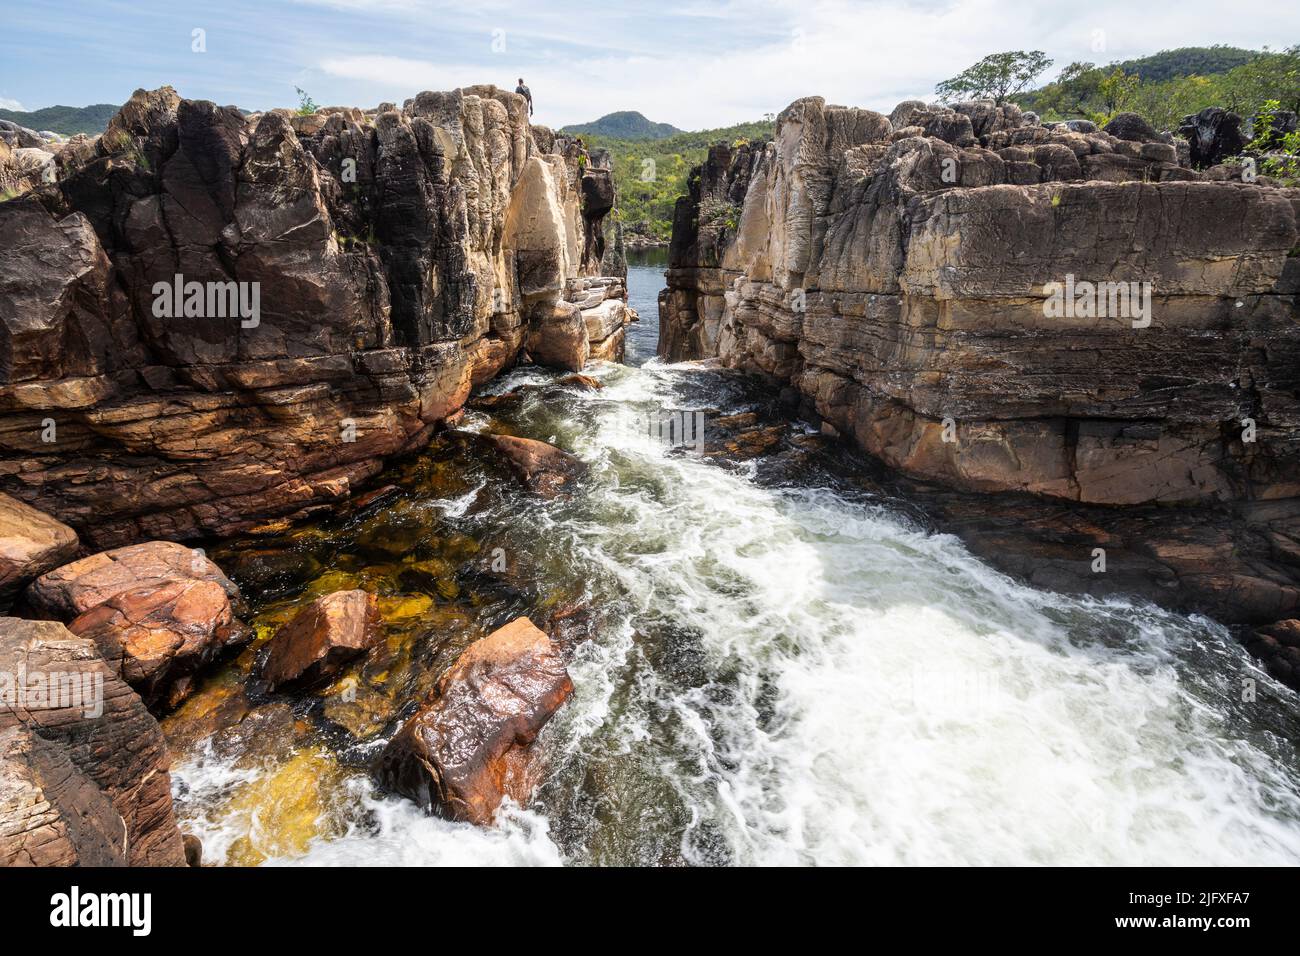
356, 273
98, 744
467, 748
907, 288
1132, 128
326, 634
1214, 134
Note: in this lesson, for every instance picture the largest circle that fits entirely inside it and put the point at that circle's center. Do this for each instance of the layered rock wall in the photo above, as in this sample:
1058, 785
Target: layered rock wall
908, 278
358, 273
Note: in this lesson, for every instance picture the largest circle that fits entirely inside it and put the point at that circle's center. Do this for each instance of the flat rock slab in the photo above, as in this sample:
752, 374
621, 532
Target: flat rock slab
77, 587
466, 748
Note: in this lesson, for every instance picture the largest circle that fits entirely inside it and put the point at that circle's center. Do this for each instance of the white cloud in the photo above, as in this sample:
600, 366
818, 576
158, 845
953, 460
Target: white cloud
8, 104
748, 57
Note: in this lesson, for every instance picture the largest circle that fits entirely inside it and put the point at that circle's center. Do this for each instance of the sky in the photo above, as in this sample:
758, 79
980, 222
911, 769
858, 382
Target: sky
692, 63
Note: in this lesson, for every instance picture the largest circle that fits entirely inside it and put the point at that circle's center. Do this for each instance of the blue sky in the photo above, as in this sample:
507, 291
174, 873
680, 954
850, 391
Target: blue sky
691, 63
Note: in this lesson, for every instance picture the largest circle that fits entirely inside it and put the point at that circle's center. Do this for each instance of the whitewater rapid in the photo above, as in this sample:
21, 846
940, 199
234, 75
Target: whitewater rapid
800, 675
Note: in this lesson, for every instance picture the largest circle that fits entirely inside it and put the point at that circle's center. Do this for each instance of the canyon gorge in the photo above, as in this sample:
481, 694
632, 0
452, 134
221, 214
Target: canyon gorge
389, 569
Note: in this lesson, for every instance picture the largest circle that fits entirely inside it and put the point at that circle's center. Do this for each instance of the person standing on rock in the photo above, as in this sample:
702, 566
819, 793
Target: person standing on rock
526, 94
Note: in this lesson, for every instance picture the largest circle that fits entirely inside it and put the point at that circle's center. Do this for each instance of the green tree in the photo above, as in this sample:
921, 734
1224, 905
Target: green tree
996, 77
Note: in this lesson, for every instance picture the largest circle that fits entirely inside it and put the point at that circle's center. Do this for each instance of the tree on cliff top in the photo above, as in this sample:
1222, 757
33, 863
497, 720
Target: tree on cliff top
996, 77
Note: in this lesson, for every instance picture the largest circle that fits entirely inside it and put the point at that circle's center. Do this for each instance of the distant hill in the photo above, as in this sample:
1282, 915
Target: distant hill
65, 119
1188, 61
628, 124
649, 174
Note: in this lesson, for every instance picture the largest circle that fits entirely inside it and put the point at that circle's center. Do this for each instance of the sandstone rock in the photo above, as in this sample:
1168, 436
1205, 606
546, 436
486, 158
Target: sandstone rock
82, 585
464, 750
420, 252
31, 543
193, 850
158, 612
544, 469
903, 283
160, 636
51, 814
321, 638
60, 690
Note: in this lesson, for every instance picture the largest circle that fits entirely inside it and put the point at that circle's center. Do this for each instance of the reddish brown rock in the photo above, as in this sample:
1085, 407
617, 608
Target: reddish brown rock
321, 638
158, 612
30, 544
77, 587
59, 689
467, 747
384, 297
51, 814
160, 637
545, 469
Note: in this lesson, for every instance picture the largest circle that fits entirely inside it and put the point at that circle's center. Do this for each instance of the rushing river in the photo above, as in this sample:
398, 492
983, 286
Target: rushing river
784, 671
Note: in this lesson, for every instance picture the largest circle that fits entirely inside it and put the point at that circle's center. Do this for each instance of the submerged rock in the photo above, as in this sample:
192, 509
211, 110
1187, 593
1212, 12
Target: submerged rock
465, 749
544, 469
326, 634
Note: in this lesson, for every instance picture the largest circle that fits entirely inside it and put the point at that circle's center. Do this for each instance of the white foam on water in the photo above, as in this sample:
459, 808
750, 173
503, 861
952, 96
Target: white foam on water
864, 692
924, 708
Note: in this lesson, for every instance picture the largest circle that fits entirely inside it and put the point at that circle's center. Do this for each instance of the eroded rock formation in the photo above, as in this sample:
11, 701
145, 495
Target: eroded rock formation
358, 272
906, 278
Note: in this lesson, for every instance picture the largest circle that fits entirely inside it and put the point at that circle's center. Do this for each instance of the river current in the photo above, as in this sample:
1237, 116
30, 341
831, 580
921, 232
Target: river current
785, 671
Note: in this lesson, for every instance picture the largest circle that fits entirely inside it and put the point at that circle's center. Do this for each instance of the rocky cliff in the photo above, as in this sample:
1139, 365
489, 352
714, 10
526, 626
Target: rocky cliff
995, 306
207, 319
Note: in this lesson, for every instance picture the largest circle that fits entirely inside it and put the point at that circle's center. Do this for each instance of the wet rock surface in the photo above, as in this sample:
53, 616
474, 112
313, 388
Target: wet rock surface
544, 469
324, 635
465, 750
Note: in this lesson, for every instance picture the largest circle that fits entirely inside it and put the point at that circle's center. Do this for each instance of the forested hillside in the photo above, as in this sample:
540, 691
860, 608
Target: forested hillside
651, 174
64, 119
